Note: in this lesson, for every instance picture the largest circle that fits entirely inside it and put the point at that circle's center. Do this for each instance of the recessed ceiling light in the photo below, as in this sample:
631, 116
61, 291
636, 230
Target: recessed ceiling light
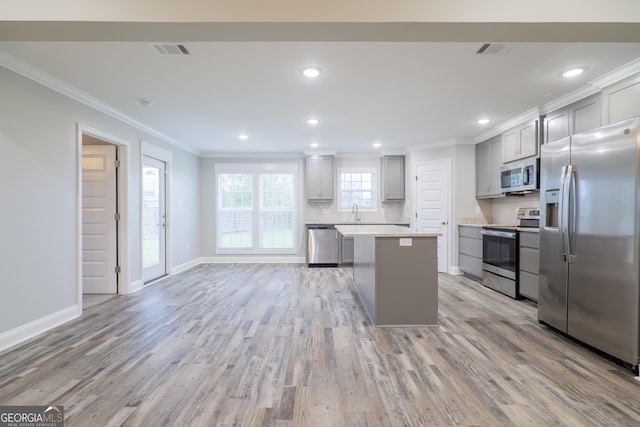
312, 122
314, 144
377, 145
573, 72
311, 72
483, 121
243, 136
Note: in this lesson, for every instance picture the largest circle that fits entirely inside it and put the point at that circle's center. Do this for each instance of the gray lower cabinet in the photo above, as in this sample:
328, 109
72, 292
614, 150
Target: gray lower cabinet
470, 250
529, 264
346, 250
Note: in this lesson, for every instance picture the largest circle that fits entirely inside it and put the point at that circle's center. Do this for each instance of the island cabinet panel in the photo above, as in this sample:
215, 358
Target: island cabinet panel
395, 273
406, 281
364, 273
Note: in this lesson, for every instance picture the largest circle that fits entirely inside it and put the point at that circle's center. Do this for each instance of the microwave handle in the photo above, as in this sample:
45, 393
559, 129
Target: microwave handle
526, 176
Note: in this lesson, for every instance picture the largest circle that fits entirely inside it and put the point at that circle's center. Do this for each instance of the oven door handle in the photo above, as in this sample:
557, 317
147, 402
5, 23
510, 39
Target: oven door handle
496, 233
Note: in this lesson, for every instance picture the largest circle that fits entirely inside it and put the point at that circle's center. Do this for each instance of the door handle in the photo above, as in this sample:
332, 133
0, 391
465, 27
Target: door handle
444, 222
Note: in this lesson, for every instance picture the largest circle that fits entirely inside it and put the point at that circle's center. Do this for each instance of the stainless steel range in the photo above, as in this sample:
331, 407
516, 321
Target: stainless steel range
500, 250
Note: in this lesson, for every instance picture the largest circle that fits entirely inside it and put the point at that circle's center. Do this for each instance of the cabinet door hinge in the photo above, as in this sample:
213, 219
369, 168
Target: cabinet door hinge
117, 216
116, 163
118, 269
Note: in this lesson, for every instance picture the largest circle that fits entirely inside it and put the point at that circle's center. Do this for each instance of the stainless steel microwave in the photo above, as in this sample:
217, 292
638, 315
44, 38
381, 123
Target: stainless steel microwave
520, 177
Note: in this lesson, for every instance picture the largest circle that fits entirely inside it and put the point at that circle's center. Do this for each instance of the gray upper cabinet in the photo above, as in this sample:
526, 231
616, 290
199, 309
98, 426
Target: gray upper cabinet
319, 178
520, 142
585, 115
556, 125
578, 117
488, 163
393, 178
621, 100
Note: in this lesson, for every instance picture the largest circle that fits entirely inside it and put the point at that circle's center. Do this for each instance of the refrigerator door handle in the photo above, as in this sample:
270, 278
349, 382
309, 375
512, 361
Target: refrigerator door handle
562, 209
572, 210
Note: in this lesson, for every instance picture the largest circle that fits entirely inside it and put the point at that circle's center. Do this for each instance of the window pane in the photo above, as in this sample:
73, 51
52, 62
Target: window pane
357, 187
276, 210
235, 211
151, 221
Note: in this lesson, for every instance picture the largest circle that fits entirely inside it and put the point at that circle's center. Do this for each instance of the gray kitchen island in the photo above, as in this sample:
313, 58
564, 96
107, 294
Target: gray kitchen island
395, 273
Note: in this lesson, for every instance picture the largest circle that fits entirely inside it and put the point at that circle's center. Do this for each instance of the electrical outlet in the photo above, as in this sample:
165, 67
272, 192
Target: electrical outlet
478, 211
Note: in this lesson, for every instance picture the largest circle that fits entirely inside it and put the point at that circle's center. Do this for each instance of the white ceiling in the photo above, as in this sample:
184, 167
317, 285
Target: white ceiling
401, 94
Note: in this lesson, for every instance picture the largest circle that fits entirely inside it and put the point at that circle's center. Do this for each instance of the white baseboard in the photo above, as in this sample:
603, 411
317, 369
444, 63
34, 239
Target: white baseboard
30, 330
253, 260
455, 270
135, 286
186, 265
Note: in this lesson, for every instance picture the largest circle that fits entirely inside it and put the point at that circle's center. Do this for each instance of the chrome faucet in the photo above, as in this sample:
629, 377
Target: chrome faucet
354, 208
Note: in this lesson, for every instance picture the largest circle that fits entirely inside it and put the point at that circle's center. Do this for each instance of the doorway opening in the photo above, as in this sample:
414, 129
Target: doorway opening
99, 217
156, 233
154, 219
103, 211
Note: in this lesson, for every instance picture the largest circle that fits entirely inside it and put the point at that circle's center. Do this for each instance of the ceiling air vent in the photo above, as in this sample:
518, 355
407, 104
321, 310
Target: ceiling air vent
170, 49
494, 48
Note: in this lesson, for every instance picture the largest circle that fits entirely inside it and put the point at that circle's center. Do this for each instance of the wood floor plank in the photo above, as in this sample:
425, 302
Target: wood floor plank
288, 346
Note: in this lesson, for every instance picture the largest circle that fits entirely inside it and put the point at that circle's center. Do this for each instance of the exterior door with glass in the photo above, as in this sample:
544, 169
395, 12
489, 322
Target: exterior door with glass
154, 221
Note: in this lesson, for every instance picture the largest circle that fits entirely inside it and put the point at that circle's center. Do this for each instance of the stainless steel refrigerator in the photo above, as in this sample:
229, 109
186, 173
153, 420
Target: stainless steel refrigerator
589, 238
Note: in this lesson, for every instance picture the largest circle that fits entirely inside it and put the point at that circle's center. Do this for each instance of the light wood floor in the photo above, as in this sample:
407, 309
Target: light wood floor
284, 345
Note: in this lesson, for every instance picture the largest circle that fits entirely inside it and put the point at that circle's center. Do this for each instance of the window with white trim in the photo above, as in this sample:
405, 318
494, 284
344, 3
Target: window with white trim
357, 186
256, 208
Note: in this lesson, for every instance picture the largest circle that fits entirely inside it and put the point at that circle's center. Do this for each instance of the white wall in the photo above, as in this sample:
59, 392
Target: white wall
38, 184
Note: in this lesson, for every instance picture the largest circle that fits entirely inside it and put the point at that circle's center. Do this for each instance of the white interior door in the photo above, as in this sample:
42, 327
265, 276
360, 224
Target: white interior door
432, 205
99, 225
154, 224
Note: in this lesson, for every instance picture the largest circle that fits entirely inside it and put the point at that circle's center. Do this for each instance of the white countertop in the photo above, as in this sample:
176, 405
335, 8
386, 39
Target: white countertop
329, 222
364, 230
525, 229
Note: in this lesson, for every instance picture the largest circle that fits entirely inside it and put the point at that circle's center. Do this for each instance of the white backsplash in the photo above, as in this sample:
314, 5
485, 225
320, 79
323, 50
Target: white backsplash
505, 210
327, 212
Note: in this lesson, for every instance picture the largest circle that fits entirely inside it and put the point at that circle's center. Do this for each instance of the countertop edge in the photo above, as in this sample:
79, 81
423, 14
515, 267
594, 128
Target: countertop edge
364, 230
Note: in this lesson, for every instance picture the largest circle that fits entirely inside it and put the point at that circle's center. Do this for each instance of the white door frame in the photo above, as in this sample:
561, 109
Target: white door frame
166, 156
449, 208
124, 244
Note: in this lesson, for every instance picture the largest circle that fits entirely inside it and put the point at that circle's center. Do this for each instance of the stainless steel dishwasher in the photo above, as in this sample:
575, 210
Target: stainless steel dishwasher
322, 246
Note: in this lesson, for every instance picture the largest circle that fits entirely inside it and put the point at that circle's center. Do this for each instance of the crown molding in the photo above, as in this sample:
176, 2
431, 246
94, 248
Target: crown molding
569, 98
617, 74
488, 134
251, 155
531, 114
32, 73
430, 145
